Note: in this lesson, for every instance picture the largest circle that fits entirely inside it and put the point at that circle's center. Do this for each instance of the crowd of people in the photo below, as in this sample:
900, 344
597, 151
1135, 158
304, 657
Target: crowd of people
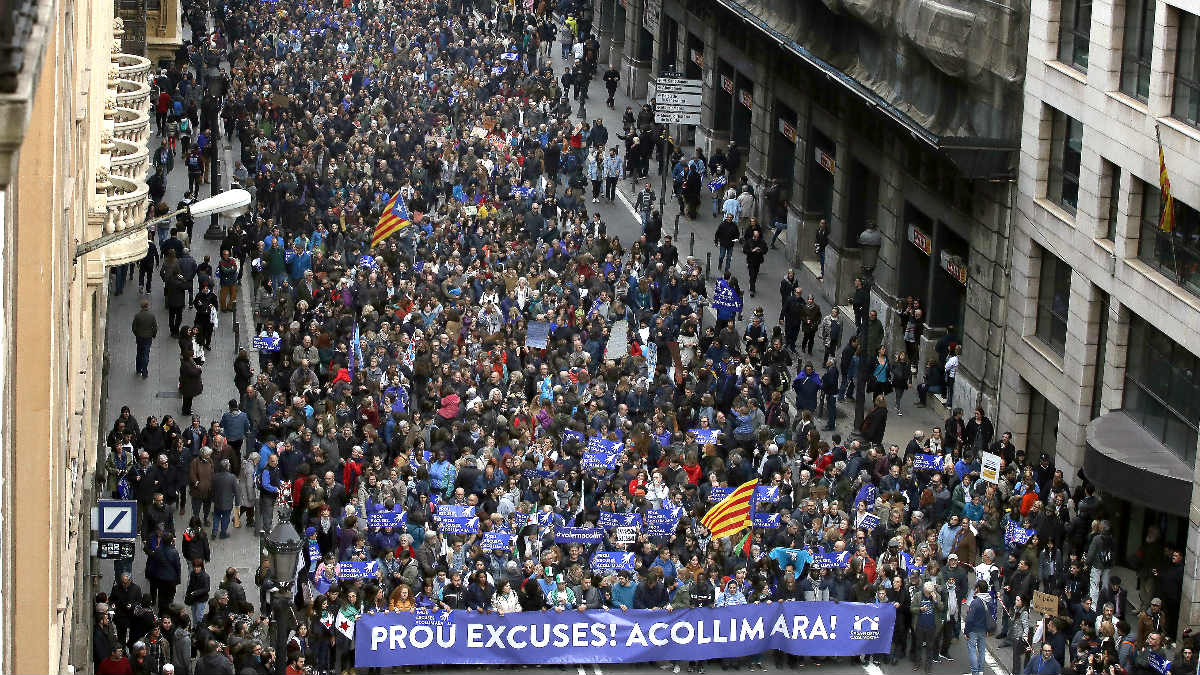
403, 378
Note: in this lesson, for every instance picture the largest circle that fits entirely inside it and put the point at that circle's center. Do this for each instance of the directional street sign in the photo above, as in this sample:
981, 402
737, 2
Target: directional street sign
676, 118
664, 98
118, 519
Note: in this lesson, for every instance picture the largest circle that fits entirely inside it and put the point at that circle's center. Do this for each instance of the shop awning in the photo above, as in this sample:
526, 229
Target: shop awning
976, 158
1124, 460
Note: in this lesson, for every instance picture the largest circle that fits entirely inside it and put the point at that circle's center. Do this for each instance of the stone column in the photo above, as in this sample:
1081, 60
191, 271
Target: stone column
604, 28
635, 72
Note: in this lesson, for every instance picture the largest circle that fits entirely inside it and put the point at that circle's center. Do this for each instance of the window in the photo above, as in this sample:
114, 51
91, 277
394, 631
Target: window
1101, 356
1111, 175
1074, 31
1043, 426
1054, 299
1066, 147
1136, 47
1187, 71
1162, 388
1175, 254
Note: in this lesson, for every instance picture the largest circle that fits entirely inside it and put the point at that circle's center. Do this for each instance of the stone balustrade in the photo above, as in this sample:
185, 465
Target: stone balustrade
127, 204
131, 125
133, 95
129, 160
133, 67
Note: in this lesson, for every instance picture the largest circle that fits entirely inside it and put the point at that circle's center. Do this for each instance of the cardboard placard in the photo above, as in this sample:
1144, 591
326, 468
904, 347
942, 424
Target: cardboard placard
990, 467
1045, 603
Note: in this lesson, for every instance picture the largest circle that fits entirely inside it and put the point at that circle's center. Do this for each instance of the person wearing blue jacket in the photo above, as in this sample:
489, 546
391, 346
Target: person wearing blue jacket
1043, 663
807, 386
976, 626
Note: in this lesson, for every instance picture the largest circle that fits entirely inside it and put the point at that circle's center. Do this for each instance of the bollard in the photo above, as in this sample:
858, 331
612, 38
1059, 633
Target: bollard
676, 235
708, 266
692, 244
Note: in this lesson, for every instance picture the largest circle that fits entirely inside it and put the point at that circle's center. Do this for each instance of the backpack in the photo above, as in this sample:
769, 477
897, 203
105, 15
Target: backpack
1104, 555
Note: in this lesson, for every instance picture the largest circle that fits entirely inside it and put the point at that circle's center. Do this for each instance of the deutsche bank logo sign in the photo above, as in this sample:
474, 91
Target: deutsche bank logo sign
118, 519
865, 628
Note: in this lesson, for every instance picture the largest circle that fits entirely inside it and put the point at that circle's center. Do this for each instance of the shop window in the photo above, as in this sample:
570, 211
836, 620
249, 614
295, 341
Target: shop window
1043, 426
1162, 388
1054, 301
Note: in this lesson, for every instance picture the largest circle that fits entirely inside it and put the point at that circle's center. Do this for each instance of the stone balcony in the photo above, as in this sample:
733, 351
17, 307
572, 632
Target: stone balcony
129, 160
127, 204
132, 94
130, 125
133, 67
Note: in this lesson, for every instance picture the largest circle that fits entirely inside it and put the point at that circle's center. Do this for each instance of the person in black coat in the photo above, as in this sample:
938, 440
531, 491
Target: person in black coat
875, 422
190, 383
164, 573
651, 594
198, 586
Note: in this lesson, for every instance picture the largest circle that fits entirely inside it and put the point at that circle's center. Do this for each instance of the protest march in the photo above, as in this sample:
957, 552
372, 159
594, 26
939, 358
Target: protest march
506, 437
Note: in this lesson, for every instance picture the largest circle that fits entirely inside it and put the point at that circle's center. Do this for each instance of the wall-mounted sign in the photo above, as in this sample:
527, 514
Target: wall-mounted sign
955, 267
826, 161
727, 84
746, 98
919, 239
697, 58
651, 14
788, 131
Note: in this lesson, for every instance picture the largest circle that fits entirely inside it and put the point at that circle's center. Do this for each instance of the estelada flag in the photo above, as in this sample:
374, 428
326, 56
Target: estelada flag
732, 514
395, 217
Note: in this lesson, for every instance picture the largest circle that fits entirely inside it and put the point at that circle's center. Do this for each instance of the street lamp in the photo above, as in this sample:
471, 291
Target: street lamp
869, 243
283, 545
232, 202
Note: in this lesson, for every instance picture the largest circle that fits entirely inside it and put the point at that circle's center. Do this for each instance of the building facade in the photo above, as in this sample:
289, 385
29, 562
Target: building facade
1103, 357
73, 127
907, 117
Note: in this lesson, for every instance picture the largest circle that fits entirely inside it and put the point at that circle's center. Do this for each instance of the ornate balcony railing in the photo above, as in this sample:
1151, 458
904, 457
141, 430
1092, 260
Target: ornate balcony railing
127, 204
131, 125
134, 95
129, 160
132, 67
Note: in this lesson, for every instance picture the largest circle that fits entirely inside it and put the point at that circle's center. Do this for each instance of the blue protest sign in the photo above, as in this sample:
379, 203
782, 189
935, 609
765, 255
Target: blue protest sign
578, 437
521, 191
719, 493
601, 454
717, 183
868, 522
924, 462
766, 519
455, 511
906, 562
829, 561
496, 541
706, 436
357, 569
538, 473
368, 262
509, 56
767, 494
458, 525
265, 343
609, 562
390, 639
1159, 663
1015, 534
578, 535
866, 493
379, 519
520, 520
537, 334
608, 520
724, 297
498, 70
662, 522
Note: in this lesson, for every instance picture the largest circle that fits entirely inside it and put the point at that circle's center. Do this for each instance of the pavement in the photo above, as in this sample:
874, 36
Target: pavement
158, 395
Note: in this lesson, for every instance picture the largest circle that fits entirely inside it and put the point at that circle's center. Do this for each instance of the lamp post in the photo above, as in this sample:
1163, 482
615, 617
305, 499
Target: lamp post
232, 202
868, 243
283, 545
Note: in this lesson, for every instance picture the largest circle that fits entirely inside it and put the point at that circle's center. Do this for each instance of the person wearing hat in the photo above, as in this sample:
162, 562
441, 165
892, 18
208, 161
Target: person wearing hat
1151, 620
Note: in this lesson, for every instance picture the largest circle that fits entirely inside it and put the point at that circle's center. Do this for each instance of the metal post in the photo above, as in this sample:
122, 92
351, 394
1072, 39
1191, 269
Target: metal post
691, 239
676, 235
708, 265
860, 380
662, 197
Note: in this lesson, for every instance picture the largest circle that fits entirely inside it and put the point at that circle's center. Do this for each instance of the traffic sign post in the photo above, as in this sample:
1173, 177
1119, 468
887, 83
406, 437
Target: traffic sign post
117, 519
677, 100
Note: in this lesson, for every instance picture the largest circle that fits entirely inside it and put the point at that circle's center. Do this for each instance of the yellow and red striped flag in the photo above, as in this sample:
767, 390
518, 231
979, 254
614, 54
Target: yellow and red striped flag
1166, 221
395, 217
732, 514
